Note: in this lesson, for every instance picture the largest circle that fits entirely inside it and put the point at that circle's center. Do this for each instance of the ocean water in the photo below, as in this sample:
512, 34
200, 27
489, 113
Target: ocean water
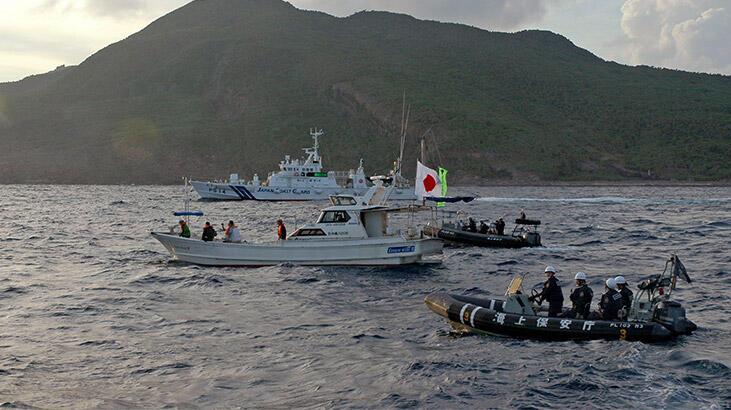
93, 314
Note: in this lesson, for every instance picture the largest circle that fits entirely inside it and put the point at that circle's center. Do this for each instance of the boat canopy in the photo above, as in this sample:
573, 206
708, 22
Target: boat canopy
188, 213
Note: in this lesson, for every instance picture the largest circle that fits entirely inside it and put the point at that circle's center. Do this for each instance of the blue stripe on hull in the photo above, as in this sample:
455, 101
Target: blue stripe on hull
243, 193
246, 191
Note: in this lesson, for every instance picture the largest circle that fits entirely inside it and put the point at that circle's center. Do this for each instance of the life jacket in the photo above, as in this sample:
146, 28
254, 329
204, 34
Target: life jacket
610, 304
282, 232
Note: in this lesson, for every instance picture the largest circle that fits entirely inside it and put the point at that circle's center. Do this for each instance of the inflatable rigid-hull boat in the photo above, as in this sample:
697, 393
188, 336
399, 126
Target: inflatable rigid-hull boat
454, 235
487, 316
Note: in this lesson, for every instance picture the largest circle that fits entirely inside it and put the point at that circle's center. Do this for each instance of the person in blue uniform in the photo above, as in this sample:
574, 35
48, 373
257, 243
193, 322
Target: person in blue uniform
610, 303
551, 292
626, 293
580, 298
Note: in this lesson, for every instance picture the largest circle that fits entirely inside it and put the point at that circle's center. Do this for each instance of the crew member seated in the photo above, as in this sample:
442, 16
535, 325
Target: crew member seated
551, 292
627, 295
483, 227
232, 233
580, 298
472, 225
184, 229
500, 226
208, 233
610, 303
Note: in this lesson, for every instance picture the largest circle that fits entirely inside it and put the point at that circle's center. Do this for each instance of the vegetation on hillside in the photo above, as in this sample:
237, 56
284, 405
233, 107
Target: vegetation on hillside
231, 85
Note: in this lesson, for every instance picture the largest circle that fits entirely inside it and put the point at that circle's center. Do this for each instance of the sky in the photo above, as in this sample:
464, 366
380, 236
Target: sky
36, 36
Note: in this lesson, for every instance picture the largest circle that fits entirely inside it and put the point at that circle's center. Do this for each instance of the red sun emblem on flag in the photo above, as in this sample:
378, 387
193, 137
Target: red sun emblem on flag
429, 183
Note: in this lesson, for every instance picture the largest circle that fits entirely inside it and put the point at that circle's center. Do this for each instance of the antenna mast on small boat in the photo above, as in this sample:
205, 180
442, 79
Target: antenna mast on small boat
405, 113
423, 151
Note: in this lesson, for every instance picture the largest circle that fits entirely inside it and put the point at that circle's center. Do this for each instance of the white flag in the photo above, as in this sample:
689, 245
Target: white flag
427, 182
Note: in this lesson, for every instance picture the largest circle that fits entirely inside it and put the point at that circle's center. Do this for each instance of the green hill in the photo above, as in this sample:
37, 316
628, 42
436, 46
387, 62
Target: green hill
231, 85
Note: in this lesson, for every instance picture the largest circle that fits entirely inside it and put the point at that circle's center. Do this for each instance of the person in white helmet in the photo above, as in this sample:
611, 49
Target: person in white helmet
580, 298
626, 293
610, 303
551, 292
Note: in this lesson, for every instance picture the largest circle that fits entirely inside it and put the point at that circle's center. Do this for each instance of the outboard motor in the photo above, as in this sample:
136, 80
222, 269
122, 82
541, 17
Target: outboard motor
532, 238
672, 315
653, 301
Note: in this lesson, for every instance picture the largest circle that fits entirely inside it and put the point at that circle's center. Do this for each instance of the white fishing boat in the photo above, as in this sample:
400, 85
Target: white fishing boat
352, 231
302, 179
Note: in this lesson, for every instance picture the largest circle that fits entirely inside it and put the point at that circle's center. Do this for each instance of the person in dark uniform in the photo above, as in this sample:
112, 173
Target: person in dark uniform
551, 292
208, 232
580, 298
610, 303
626, 293
522, 214
472, 225
483, 227
500, 226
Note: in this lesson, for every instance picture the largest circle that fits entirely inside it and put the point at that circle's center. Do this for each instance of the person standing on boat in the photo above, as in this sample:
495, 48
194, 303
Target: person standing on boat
551, 292
232, 233
580, 298
626, 293
184, 229
208, 233
281, 230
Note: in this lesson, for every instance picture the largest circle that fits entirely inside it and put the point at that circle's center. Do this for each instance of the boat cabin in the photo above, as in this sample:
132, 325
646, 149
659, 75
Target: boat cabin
353, 217
348, 222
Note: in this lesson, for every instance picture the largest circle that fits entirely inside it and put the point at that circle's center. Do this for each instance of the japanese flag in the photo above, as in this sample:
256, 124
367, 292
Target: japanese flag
427, 182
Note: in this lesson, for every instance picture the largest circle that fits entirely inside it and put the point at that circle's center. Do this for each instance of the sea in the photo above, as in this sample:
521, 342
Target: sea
95, 314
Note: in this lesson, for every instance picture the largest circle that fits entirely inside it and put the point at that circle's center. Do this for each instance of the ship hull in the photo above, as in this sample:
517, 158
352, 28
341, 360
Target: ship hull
387, 251
213, 191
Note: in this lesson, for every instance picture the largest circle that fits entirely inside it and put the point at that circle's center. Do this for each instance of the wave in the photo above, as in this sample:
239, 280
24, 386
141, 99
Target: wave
588, 243
612, 200
600, 199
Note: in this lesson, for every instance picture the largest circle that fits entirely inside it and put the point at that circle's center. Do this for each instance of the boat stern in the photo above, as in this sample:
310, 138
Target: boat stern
431, 246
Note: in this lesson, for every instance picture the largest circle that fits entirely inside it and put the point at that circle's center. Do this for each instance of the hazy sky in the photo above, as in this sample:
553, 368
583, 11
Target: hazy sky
38, 35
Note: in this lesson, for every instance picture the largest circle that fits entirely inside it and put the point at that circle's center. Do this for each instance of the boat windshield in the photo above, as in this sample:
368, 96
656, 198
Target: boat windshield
334, 217
309, 232
343, 200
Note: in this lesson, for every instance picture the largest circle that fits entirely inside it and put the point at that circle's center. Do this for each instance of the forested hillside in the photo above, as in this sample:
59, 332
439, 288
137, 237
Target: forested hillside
232, 85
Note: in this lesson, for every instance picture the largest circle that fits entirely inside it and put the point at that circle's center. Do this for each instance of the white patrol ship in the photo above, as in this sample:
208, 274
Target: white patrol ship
352, 231
301, 180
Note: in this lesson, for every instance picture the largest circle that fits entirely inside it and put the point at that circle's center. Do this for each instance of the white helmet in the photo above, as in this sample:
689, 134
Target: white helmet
619, 280
550, 268
580, 276
611, 284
